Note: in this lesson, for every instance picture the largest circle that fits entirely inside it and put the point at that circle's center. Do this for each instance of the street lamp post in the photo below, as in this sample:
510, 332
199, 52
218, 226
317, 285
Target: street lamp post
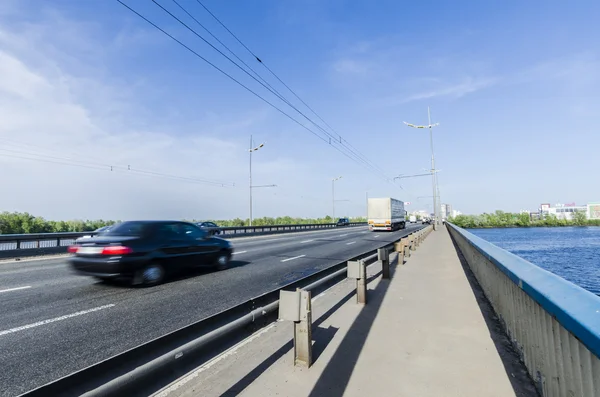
333, 195
433, 173
252, 149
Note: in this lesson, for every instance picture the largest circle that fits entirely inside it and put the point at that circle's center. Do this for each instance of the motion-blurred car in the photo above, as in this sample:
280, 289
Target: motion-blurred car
146, 252
210, 227
343, 222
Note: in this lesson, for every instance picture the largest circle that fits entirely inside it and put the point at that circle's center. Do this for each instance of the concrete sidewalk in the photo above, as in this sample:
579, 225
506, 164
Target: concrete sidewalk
426, 332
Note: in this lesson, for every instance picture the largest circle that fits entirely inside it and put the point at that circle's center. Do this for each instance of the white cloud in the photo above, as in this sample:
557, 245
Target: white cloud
392, 74
577, 72
466, 86
55, 110
350, 66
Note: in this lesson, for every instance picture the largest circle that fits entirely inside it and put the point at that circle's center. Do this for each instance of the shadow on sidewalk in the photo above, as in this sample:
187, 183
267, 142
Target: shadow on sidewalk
321, 338
516, 372
336, 375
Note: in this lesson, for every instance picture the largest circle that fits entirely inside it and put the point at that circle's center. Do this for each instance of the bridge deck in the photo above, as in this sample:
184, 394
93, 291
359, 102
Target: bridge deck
427, 332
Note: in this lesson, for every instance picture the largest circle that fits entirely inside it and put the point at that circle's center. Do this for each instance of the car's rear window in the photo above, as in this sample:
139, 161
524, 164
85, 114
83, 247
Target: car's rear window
128, 229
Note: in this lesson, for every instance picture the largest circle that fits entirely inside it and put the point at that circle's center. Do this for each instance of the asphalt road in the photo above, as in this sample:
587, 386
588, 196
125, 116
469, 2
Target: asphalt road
53, 322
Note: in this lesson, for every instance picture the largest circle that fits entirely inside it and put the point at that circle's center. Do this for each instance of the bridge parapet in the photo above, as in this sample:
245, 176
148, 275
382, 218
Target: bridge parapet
554, 324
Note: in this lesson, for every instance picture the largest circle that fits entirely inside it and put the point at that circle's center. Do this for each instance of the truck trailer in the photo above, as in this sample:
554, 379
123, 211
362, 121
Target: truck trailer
386, 214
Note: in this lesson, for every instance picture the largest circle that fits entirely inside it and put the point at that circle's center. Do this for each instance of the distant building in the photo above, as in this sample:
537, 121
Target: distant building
446, 211
593, 211
455, 213
566, 211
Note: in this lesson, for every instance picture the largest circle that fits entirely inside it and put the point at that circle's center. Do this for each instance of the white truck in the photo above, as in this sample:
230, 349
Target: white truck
386, 214
413, 219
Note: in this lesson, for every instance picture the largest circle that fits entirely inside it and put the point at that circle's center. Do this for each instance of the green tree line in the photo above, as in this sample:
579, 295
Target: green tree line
23, 222
508, 219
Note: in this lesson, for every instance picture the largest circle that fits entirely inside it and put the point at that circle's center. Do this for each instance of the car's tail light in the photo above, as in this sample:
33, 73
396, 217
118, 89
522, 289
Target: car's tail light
72, 249
116, 250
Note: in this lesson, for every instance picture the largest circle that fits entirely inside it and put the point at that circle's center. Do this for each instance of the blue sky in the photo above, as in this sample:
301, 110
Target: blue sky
513, 85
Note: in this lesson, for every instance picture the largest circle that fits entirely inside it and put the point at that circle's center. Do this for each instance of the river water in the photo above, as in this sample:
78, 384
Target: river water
570, 252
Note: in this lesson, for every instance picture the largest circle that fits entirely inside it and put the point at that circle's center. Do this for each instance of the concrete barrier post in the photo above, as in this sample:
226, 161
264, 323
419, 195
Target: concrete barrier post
303, 332
383, 256
412, 242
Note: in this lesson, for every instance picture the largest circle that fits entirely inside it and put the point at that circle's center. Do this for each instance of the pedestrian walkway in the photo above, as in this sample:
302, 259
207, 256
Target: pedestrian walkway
425, 332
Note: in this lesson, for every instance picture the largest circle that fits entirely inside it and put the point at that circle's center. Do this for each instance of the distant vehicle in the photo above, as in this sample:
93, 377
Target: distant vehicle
211, 227
413, 219
426, 221
98, 231
146, 252
386, 214
343, 222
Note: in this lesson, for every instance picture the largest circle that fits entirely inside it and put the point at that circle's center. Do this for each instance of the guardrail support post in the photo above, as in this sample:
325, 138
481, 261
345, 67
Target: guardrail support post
358, 271
361, 285
303, 332
384, 257
412, 243
296, 306
399, 248
407, 249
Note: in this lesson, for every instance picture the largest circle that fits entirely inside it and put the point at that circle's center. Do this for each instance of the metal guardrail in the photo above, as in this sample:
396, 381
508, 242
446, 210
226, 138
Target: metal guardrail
16, 245
553, 323
130, 373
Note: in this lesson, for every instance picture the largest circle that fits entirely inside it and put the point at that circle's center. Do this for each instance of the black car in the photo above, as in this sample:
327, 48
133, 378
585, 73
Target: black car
210, 227
343, 222
148, 251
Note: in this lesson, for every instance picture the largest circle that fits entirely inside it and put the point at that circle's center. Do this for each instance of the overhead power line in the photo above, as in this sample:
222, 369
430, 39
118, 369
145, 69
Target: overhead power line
235, 80
262, 81
259, 60
36, 156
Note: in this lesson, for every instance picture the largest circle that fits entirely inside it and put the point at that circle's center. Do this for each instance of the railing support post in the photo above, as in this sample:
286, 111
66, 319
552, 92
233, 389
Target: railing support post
358, 271
361, 285
412, 243
383, 256
303, 332
296, 306
399, 247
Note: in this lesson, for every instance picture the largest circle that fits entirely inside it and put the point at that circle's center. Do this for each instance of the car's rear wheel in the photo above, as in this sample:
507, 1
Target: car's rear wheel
152, 274
223, 260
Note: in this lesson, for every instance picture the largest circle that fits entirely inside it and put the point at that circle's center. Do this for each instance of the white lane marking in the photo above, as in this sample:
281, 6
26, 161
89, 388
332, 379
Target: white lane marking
194, 374
239, 252
36, 259
377, 235
291, 259
307, 241
270, 240
53, 320
14, 289
343, 235
351, 242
